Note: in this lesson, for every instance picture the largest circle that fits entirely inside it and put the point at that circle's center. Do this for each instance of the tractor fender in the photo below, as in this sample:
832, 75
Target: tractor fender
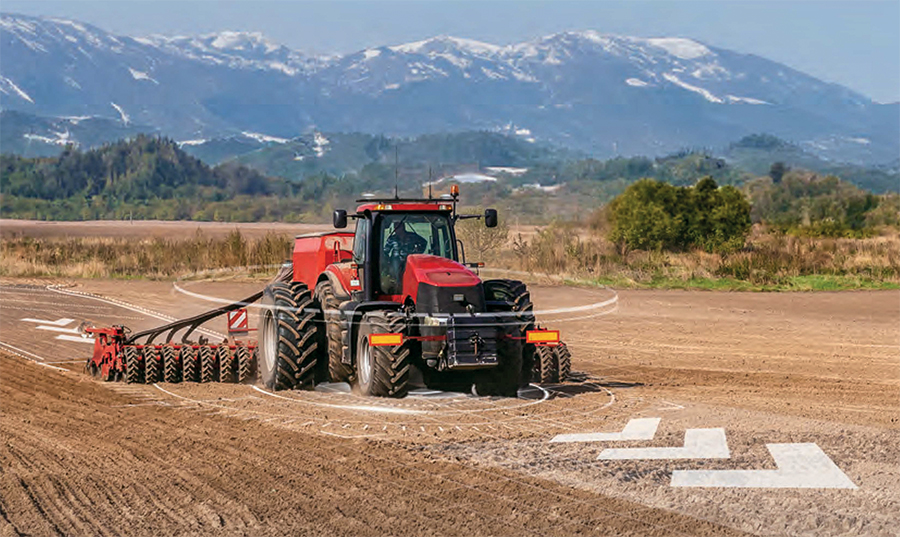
340, 290
353, 312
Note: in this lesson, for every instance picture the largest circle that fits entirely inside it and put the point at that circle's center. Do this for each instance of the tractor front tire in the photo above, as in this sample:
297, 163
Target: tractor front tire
383, 371
504, 379
517, 295
288, 337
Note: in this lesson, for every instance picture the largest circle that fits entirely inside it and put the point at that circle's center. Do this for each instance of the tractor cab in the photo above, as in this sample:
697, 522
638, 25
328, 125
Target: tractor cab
394, 235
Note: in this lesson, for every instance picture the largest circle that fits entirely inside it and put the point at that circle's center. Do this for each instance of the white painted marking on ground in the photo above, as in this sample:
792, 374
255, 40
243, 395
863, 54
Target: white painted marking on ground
636, 429
25, 354
801, 466
670, 406
367, 408
78, 339
58, 322
698, 444
58, 329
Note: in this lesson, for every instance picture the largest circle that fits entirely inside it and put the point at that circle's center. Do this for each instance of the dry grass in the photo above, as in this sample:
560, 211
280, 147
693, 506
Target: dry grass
129, 258
768, 261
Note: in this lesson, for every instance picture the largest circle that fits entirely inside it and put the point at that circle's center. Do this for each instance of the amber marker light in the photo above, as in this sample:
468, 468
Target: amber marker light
542, 337
384, 340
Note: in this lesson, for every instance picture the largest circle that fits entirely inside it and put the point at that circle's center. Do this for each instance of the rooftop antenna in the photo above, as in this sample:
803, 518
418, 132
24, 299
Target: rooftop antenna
430, 181
396, 172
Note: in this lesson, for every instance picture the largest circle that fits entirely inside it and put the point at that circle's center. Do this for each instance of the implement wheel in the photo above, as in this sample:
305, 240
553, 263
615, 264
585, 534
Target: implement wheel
171, 364
288, 337
134, 370
189, 364
384, 370
226, 363
244, 360
208, 370
151, 365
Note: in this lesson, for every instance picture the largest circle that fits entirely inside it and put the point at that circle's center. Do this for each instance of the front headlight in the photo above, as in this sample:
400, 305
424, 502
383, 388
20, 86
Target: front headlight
435, 321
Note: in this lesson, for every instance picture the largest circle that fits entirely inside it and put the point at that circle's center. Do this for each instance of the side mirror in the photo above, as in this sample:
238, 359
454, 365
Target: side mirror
340, 218
490, 217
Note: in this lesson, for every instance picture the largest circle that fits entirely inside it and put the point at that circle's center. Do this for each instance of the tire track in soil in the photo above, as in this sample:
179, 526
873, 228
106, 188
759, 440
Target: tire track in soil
73, 463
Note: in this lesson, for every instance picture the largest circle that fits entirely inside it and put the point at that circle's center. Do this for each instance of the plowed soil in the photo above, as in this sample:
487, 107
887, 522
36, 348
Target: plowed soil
82, 457
78, 459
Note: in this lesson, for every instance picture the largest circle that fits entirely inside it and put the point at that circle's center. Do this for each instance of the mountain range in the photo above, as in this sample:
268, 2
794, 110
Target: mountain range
605, 95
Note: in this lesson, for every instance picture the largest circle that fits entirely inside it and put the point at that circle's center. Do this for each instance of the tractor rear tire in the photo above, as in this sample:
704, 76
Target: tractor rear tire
546, 365
151, 365
563, 360
288, 337
226, 363
208, 372
244, 364
335, 333
383, 371
171, 367
504, 379
134, 373
189, 364
517, 295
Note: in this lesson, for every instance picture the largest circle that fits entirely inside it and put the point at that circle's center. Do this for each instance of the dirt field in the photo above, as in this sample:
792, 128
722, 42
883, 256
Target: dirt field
82, 458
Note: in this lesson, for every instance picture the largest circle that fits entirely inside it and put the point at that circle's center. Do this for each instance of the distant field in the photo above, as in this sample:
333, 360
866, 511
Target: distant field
147, 229
141, 229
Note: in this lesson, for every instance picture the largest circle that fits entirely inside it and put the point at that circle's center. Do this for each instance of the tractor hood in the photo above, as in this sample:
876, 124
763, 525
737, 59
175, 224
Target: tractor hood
436, 277
437, 271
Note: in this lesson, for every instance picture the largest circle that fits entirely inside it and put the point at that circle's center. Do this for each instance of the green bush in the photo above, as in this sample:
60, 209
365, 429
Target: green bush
652, 215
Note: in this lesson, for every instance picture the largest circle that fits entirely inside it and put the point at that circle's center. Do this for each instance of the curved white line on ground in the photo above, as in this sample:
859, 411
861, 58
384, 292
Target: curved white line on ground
393, 410
556, 311
365, 408
128, 306
22, 353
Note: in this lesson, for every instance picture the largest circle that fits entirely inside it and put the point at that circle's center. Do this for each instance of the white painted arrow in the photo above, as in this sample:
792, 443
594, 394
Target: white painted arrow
799, 466
636, 429
79, 339
58, 329
698, 444
58, 322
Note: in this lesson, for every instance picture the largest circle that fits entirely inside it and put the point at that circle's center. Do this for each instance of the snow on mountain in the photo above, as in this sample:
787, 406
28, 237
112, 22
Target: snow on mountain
240, 50
603, 93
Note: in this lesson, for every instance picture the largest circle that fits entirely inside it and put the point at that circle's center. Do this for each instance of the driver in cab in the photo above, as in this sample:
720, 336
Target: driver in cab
400, 244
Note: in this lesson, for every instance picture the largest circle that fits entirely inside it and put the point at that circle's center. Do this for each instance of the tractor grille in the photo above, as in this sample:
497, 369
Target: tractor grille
432, 299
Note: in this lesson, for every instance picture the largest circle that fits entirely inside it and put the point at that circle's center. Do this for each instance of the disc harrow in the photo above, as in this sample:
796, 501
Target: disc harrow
138, 358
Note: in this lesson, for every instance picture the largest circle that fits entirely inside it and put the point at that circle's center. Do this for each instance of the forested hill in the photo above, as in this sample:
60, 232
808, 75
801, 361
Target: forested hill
146, 177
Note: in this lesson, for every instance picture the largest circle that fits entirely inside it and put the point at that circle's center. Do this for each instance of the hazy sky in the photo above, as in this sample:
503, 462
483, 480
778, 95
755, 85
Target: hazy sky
855, 43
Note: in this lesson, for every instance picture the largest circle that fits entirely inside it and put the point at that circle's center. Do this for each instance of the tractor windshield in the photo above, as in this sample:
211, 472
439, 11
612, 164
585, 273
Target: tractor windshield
403, 234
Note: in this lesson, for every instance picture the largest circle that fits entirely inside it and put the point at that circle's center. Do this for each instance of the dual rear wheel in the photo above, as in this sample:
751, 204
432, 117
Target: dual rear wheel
288, 337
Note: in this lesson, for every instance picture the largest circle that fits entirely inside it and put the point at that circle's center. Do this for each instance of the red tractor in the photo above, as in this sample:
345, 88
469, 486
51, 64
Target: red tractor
391, 305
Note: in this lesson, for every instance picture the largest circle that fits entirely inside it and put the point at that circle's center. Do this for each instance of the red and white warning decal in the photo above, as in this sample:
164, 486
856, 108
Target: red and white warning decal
237, 321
